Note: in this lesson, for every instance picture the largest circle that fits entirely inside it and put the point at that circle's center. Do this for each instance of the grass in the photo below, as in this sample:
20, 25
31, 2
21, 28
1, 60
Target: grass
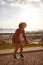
6, 47
12, 46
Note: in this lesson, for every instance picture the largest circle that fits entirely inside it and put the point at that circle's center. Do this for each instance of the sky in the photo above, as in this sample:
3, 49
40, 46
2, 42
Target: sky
12, 12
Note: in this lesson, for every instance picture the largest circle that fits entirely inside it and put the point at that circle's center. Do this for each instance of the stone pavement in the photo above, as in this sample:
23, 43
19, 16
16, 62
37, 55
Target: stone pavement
6, 51
30, 58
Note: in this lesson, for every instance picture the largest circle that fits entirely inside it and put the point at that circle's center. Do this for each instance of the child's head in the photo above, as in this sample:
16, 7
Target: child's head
22, 25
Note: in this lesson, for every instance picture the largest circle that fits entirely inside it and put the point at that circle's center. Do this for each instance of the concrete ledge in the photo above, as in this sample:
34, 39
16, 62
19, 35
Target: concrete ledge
7, 51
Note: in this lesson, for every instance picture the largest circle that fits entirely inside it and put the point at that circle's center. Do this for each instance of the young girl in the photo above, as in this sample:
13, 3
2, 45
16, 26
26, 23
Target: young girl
18, 37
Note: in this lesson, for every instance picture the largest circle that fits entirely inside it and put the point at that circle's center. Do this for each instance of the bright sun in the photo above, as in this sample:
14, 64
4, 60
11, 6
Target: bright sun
31, 16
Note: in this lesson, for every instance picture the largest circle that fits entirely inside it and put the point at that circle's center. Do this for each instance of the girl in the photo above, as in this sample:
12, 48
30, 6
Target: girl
18, 37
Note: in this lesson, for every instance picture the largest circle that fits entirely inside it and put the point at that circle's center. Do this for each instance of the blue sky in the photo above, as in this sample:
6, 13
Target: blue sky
12, 12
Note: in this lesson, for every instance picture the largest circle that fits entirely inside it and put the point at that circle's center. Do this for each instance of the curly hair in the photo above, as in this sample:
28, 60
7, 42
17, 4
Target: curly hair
22, 24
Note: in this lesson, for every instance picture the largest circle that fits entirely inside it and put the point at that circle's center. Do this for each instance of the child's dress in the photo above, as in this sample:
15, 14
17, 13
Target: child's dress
19, 36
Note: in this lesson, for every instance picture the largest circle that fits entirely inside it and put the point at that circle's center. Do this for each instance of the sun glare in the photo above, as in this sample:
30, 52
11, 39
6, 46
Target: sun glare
31, 16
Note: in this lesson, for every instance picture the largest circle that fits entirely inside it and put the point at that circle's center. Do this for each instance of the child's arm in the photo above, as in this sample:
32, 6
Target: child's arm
25, 37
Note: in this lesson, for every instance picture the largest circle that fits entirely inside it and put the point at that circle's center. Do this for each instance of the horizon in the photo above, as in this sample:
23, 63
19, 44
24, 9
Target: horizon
15, 29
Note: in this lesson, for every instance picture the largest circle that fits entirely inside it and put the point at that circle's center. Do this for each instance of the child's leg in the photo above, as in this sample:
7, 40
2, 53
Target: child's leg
21, 49
16, 48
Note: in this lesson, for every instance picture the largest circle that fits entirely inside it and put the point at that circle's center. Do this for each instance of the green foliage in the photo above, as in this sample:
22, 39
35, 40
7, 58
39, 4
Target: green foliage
12, 46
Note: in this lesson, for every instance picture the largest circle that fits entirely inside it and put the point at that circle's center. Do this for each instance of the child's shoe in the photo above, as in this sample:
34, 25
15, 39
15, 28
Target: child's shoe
21, 56
15, 57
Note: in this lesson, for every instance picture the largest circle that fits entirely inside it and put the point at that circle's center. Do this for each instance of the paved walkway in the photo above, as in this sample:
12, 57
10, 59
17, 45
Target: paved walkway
6, 51
30, 58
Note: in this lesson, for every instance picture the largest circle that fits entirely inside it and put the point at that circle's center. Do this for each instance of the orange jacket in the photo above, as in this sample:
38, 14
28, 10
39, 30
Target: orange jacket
16, 35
